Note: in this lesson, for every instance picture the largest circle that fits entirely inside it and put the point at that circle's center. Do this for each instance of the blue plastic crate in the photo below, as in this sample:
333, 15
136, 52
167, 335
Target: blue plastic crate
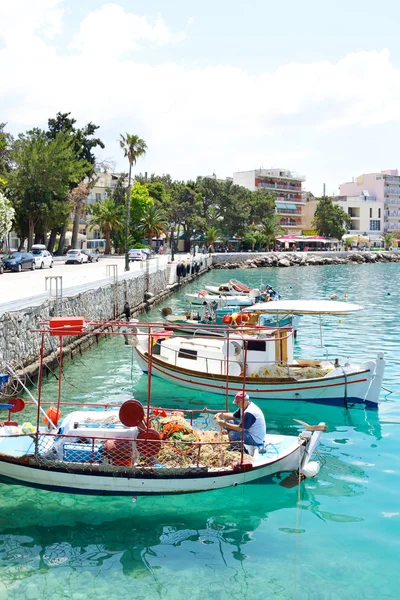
83, 453
3, 379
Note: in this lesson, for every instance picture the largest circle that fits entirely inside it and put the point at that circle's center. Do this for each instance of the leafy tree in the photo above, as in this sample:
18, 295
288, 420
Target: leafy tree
185, 209
140, 200
44, 170
83, 143
108, 217
153, 222
6, 142
329, 219
6, 216
262, 204
133, 147
78, 196
235, 209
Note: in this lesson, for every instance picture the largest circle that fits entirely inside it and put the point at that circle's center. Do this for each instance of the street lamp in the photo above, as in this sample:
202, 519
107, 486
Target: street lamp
194, 243
172, 225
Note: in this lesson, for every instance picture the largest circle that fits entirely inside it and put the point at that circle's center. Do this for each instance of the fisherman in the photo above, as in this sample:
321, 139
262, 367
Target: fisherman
253, 422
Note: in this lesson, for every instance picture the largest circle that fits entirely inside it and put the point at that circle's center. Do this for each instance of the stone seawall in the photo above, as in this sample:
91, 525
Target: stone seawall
20, 346
301, 259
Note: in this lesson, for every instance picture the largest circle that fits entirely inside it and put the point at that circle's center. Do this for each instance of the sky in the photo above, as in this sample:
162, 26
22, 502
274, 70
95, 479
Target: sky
213, 86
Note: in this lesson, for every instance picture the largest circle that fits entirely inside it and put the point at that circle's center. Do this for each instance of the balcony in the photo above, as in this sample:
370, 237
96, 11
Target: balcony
391, 201
280, 186
290, 222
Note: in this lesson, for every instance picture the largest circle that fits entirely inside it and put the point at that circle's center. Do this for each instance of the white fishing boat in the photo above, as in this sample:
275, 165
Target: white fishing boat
235, 288
203, 296
133, 450
262, 358
225, 289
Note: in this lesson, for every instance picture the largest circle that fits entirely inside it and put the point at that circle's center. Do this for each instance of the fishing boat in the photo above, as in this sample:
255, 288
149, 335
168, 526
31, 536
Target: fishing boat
262, 358
203, 296
235, 288
131, 449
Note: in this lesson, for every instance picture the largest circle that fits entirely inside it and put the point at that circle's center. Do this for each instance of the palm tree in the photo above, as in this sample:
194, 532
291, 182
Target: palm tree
133, 147
388, 239
271, 228
212, 234
106, 215
153, 222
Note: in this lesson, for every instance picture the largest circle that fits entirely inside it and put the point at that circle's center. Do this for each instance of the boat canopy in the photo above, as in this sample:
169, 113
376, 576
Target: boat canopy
305, 307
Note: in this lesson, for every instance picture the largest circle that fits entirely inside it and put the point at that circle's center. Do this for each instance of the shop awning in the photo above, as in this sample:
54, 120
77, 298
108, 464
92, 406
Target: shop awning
285, 206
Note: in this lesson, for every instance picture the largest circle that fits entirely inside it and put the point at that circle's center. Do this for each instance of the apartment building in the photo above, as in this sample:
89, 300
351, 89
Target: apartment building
385, 188
287, 187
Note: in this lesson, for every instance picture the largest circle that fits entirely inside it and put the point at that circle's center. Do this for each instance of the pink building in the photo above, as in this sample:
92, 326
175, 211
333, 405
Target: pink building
385, 187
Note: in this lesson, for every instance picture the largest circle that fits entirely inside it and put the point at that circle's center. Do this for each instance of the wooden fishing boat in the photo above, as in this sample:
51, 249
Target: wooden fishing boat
262, 357
131, 449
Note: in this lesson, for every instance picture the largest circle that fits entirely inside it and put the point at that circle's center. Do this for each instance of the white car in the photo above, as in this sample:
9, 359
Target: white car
76, 256
43, 258
137, 254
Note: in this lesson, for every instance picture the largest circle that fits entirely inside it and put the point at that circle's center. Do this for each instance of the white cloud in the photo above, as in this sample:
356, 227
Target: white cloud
21, 18
111, 31
191, 20
195, 119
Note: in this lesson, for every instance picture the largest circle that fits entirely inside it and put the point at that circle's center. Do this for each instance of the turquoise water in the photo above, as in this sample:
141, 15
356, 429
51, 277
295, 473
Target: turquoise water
335, 537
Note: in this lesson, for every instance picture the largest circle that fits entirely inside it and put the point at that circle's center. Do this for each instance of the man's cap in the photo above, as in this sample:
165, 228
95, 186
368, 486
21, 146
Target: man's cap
240, 396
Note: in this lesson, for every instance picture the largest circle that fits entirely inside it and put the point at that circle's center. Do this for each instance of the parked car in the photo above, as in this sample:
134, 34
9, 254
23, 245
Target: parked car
92, 255
148, 252
76, 256
18, 261
137, 254
1, 268
43, 258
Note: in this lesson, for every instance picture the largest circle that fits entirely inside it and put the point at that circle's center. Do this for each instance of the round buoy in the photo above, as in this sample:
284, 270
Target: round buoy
148, 443
131, 413
52, 416
18, 405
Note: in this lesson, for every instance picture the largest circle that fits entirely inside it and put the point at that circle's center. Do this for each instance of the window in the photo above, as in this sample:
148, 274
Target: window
379, 212
256, 346
98, 197
375, 225
185, 353
370, 213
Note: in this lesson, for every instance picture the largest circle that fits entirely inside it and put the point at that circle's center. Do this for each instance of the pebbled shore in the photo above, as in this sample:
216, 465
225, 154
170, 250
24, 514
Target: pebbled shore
301, 259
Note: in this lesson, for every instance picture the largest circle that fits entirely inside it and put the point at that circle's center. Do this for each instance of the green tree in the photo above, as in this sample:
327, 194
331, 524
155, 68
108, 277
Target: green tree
83, 142
211, 236
388, 240
6, 142
108, 217
153, 222
133, 147
6, 216
44, 170
329, 219
262, 204
271, 229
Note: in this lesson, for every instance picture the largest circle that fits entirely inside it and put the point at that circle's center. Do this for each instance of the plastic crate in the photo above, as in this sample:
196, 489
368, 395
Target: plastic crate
83, 453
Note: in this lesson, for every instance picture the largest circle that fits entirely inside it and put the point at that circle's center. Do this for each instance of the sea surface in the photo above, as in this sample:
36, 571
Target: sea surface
335, 537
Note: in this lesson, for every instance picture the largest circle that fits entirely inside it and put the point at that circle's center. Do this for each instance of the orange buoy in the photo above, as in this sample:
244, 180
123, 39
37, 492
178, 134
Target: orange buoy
52, 416
245, 317
227, 319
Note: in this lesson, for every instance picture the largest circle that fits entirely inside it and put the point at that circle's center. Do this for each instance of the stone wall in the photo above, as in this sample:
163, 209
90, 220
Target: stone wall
20, 346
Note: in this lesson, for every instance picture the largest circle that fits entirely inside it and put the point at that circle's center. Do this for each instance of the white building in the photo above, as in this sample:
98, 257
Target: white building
366, 213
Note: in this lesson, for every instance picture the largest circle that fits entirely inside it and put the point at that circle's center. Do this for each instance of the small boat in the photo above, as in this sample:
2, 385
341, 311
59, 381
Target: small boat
236, 288
129, 449
203, 296
262, 357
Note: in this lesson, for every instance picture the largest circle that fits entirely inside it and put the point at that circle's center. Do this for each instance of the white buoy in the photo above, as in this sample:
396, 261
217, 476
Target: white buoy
334, 297
311, 469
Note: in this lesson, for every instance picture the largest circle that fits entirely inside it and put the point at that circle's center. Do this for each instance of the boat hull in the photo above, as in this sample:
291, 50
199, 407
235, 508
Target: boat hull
112, 484
338, 390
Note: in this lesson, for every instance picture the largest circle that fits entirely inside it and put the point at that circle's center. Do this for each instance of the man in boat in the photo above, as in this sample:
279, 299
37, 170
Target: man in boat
253, 422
